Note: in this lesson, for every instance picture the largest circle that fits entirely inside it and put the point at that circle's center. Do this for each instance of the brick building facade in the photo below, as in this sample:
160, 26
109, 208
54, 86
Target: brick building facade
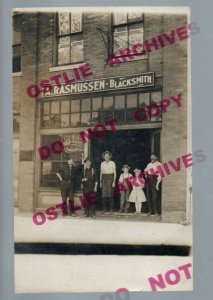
39, 49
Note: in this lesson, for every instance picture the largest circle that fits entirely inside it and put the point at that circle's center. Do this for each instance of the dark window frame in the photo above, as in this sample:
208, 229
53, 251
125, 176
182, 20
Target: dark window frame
127, 24
70, 34
18, 70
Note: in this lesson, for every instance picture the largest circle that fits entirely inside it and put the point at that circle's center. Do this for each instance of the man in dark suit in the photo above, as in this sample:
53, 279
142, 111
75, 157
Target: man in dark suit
67, 176
90, 184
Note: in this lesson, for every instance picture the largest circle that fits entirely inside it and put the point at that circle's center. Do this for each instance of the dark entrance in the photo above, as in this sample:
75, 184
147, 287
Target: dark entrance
127, 146
131, 147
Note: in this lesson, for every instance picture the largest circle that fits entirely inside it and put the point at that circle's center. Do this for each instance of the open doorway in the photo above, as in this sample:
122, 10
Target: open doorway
132, 147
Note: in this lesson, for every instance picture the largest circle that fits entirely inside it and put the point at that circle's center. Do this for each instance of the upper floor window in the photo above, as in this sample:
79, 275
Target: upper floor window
16, 58
17, 23
69, 38
127, 30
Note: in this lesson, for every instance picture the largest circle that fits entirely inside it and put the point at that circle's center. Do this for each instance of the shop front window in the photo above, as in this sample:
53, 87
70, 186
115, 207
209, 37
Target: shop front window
73, 148
87, 111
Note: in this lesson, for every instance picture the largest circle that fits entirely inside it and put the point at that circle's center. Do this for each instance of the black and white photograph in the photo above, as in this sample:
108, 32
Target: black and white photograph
102, 151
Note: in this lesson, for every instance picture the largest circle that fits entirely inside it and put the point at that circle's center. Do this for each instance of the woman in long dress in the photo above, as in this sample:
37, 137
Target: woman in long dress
137, 194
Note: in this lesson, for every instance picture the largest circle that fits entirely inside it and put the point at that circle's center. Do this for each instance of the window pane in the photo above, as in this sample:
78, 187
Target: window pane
75, 106
76, 22
48, 177
47, 140
64, 50
16, 33
55, 107
16, 50
16, 58
46, 121
75, 119
156, 97
46, 168
120, 101
130, 116
65, 106
65, 120
131, 100
120, 18
120, 38
85, 119
108, 102
55, 121
136, 33
77, 48
119, 116
46, 108
155, 114
85, 105
96, 103
107, 115
16, 64
96, 117
144, 99
63, 23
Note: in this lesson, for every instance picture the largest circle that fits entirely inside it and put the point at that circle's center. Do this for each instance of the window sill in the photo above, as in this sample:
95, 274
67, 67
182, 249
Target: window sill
17, 74
68, 67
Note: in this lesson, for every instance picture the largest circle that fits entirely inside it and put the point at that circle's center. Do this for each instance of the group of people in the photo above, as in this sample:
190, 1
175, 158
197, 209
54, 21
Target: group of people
129, 187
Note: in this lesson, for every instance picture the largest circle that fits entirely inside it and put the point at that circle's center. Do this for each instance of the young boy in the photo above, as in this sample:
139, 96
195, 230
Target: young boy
124, 198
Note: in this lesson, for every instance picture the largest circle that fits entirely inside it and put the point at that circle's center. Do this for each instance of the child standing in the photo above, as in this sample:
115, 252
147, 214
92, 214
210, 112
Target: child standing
137, 194
124, 198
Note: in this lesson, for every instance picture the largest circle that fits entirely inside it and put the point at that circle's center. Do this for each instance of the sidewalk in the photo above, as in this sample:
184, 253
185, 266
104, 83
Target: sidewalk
116, 229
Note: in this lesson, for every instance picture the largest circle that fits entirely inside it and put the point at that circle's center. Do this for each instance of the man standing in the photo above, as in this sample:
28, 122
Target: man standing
66, 176
107, 180
90, 184
152, 173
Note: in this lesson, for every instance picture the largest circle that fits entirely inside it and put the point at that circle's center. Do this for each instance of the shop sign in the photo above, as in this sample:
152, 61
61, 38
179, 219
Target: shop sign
105, 84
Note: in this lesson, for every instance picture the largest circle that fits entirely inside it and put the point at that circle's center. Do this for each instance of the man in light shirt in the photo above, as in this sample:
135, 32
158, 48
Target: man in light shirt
152, 173
107, 180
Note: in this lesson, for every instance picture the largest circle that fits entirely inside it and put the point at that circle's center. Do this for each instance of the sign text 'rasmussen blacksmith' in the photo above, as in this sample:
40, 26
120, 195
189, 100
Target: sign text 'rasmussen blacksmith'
104, 84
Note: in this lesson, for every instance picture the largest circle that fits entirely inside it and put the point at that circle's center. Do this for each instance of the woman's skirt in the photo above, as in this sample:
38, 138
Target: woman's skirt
107, 189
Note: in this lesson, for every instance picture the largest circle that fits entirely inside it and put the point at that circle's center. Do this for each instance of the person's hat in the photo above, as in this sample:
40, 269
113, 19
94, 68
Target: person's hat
154, 153
106, 152
125, 166
137, 169
87, 159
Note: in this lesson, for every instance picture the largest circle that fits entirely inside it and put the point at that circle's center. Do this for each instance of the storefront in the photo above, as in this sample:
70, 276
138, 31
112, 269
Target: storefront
64, 117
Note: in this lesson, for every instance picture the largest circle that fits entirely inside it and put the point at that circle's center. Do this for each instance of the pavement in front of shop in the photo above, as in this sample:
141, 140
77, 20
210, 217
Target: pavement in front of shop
108, 228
